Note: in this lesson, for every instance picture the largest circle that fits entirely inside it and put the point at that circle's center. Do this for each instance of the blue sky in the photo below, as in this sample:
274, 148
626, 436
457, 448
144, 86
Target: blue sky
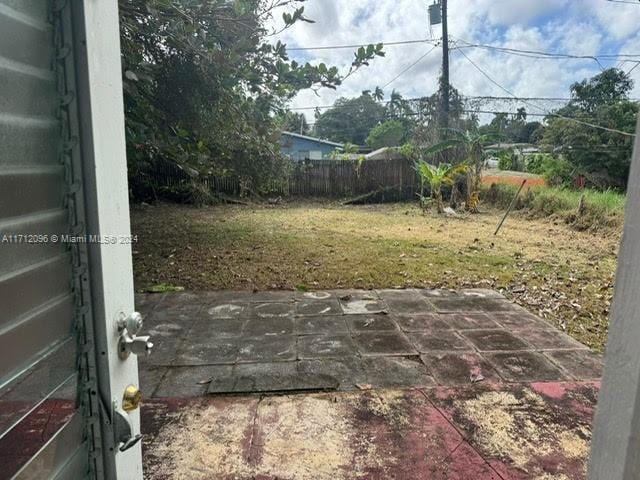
577, 27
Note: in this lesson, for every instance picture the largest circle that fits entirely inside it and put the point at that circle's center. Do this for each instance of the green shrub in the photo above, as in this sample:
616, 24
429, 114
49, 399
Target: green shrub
558, 172
538, 162
599, 209
509, 160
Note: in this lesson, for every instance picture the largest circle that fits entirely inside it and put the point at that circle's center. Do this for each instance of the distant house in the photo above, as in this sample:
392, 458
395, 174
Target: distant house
301, 147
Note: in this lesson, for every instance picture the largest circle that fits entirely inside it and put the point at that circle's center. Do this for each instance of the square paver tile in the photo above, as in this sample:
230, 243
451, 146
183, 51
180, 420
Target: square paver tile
470, 304
321, 325
519, 320
216, 328
149, 379
175, 321
494, 340
405, 301
361, 306
269, 378
256, 327
464, 321
277, 348
396, 372
550, 339
438, 340
348, 371
227, 310
208, 351
183, 301
422, 322
438, 293
146, 302
370, 323
480, 293
459, 368
329, 306
314, 295
383, 343
360, 301
524, 366
190, 381
354, 294
580, 364
273, 296
273, 310
321, 346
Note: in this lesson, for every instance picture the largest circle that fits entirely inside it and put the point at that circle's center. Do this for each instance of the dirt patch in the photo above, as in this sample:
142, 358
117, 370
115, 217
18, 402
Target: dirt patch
520, 428
302, 437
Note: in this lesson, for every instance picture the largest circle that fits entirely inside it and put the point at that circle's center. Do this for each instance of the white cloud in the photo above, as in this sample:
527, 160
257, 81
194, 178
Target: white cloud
578, 27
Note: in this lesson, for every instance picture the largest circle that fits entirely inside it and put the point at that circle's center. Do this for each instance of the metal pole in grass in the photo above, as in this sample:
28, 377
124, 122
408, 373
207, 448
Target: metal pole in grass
511, 205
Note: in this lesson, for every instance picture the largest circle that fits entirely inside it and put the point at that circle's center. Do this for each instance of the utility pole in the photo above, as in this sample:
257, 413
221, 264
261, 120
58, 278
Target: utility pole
444, 81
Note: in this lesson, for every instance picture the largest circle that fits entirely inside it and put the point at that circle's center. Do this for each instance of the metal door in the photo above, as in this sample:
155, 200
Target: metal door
68, 391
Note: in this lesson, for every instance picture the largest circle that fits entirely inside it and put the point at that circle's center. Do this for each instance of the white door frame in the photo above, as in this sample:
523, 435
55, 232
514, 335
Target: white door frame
100, 100
615, 453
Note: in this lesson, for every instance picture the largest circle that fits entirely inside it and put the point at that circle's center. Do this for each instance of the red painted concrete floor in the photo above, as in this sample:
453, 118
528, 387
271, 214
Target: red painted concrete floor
483, 431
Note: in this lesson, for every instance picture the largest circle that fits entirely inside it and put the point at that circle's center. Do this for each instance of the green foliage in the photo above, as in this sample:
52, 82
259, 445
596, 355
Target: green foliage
350, 120
509, 160
604, 157
289, 121
468, 148
538, 163
599, 209
202, 83
558, 171
387, 134
437, 176
514, 129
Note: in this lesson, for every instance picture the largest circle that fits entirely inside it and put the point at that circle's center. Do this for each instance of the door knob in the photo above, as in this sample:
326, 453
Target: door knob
130, 342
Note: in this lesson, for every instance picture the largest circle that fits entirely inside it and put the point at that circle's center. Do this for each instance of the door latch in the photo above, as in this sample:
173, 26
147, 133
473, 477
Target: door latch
124, 437
130, 342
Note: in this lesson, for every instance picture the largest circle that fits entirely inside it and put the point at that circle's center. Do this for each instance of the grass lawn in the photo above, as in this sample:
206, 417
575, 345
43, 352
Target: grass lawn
561, 274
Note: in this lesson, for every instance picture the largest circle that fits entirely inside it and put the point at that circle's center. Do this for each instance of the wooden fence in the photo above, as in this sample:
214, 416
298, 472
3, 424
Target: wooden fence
396, 179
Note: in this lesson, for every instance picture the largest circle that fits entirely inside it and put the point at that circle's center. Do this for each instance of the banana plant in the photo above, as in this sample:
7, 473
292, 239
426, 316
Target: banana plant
436, 177
472, 146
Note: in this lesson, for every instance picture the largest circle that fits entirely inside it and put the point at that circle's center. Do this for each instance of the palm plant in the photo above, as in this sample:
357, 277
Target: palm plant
436, 177
471, 145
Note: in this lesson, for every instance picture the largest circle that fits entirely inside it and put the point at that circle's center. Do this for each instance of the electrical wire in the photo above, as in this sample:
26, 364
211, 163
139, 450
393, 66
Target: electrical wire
624, 1
410, 67
587, 124
542, 54
340, 47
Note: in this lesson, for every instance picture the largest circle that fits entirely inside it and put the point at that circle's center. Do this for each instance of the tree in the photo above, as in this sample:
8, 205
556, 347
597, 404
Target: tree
427, 117
603, 156
202, 83
350, 120
608, 87
292, 122
391, 133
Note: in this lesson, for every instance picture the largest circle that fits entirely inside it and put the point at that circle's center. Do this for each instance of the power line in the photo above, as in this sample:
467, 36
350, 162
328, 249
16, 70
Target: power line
410, 67
587, 124
339, 47
542, 54
624, 1
467, 98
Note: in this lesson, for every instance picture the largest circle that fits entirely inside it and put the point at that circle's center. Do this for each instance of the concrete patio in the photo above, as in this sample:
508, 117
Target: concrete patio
362, 384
